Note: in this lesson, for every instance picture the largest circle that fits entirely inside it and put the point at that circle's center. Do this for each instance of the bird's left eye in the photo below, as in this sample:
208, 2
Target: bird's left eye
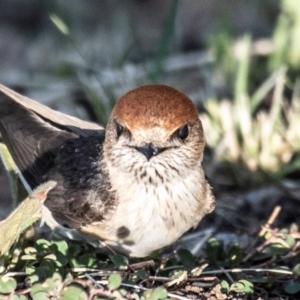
183, 132
120, 129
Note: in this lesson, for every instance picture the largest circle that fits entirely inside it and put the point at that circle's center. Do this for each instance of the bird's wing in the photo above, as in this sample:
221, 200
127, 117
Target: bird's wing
73, 124
83, 187
34, 132
46, 144
31, 141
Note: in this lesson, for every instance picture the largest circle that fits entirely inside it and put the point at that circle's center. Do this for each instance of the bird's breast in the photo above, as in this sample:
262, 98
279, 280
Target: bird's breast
152, 215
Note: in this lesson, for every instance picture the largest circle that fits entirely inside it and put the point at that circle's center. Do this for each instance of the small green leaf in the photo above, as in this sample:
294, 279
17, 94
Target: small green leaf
294, 228
275, 249
242, 286
53, 282
237, 287
296, 270
186, 257
7, 284
33, 278
42, 245
141, 274
51, 256
30, 250
74, 292
224, 286
292, 287
36, 289
159, 293
135, 296
215, 250
88, 260
23, 216
248, 286
17, 297
114, 281
41, 295
60, 246
147, 295
30, 270
59, 24
290, 241
28, 257
120, 261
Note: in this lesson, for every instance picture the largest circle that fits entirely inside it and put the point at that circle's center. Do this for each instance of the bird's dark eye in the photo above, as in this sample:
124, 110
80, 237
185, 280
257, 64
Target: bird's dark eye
120, 129
183, 132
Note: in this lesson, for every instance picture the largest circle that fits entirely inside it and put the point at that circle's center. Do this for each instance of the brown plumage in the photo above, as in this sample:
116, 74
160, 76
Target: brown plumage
158, 105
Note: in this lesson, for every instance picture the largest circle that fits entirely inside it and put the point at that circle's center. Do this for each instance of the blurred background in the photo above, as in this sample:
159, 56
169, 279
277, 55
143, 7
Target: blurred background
238, 60
54, 48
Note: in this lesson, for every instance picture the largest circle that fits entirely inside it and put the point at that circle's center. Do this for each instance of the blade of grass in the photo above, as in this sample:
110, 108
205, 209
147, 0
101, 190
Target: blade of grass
164, 43
243, 56
12, 171
263, 90
277, 99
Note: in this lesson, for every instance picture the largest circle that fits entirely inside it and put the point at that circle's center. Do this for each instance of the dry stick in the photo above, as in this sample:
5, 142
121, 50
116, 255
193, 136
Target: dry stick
23, 292
94, 281
264, 229
142, 265
161, 267
227, 275
270, 221
239, 270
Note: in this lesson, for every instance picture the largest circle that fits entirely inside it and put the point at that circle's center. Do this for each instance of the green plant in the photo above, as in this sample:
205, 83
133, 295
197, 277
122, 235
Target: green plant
286, 37
264, 141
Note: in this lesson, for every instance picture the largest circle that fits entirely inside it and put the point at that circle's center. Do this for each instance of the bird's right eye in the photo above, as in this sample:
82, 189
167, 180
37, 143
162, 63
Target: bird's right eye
183, 132
120, 130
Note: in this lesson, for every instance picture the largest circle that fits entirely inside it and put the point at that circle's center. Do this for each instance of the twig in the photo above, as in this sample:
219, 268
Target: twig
270, 221
12, 274
78, 270
263, 230
103, 273
143, 264
239, 270
23, 292
94, 281
227, 275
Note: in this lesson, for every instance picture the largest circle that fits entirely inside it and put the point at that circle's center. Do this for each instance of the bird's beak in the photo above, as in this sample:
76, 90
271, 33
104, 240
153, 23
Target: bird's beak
150, 150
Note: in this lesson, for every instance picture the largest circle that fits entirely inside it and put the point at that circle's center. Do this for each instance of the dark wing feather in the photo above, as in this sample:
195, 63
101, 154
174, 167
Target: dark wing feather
46, 144
83, 187
70, 123
32, 142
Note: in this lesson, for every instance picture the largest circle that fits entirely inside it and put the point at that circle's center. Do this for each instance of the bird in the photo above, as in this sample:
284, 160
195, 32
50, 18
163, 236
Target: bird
136, 185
